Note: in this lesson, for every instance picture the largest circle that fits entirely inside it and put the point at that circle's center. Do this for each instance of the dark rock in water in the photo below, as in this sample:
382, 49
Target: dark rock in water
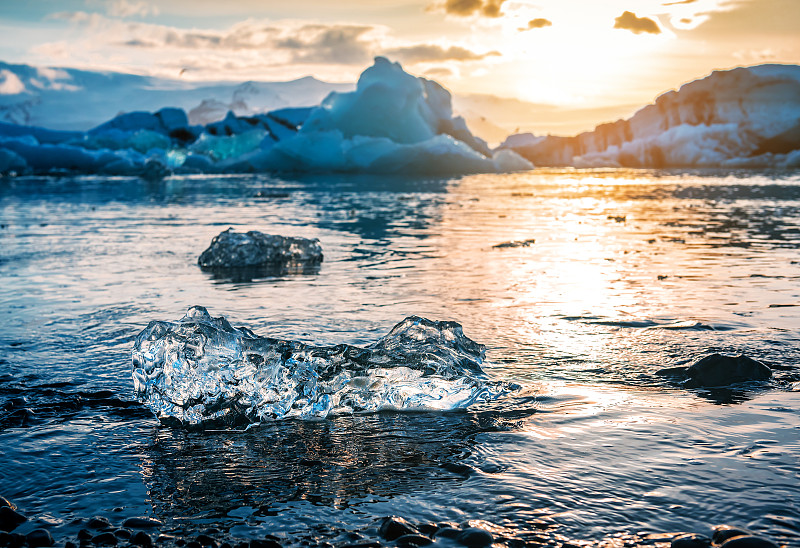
85, 534
722, 370
16, 539
98, 522
475, 538
69, 544
142, 539
141, 523
231, 249
722, 533
719, 370
516, 243
5, 503
104, 539
10, 519
5, 538
428, 529
39, 537
205, 540
690, 540
124, 534
413, 540
748, 542
264, 543
394, 527
448, 532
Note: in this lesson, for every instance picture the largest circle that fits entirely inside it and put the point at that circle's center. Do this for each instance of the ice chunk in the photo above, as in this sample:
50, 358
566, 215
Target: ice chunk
231, 249
201, 370
224, 147
10, 162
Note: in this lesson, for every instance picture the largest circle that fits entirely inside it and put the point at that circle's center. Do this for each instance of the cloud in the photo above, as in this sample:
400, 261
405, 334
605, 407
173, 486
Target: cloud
679, 3
439, 72
538, 23
431, 52
339, 44
465, 8
637, 25
125, 8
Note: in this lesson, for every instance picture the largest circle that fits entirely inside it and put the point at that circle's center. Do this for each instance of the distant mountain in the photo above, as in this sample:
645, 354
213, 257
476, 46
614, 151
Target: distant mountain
72, 99
745, 117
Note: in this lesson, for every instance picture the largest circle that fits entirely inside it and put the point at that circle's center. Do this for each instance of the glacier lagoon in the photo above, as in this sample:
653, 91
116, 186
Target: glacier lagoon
624, 273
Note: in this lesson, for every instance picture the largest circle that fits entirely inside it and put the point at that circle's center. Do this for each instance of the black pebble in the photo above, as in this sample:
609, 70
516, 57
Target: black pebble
225, 545
748, 542
448, 532
123, 534
394, 527
428, 529
98, 522
104, 538
141, 523
142, 539
17, 539
5, 538
85, 534
70, 544
193, 544
10, 519
39, 537
4, 502
413, 540
690, 540
475, 538
264, 543
724, 532
206, 540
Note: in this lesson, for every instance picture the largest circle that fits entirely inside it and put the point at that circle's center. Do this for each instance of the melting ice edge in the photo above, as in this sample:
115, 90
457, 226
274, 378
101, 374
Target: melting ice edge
201, 371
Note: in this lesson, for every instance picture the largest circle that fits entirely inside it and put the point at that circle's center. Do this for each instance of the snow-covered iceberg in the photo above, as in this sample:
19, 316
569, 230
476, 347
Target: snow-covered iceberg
745, 117
201, 370
392, 123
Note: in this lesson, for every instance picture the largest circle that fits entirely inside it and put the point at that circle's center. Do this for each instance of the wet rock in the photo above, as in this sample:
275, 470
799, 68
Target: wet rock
5, 538
690, 540
124, 534
104, 539
475, 538
193, 544
141, 523
719, 370
413, 540
394, 527
5, 503
231, 249
70, 544
428, 529
10, 519
721, 533
39, 537
516, 243
722, 370
748, 541
98, 522
16, 540
448, 532
85, 534
142, 539
264, 543
206, 540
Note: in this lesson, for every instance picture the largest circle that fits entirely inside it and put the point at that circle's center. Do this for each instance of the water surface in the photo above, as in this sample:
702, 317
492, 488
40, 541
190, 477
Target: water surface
629, 272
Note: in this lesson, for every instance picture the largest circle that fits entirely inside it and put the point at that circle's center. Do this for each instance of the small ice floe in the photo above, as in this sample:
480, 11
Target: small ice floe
201, 370
231, 249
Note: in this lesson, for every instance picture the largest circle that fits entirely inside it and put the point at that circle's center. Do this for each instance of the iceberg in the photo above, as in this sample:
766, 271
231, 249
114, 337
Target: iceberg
200, 371
392, 123
745, 117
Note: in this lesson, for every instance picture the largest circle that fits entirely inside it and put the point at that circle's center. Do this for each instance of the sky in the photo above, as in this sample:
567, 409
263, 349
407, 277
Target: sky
573, 53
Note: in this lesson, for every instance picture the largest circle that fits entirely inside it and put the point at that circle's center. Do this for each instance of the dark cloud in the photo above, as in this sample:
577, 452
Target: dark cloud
341, 44
539, 23
464, 8
431, 52
637, 25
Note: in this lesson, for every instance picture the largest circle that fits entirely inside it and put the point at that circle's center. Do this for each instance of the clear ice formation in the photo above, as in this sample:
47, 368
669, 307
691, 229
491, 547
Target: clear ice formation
200, 371
231, 249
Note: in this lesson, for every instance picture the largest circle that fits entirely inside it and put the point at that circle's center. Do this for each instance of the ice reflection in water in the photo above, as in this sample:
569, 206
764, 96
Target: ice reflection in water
630, 272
